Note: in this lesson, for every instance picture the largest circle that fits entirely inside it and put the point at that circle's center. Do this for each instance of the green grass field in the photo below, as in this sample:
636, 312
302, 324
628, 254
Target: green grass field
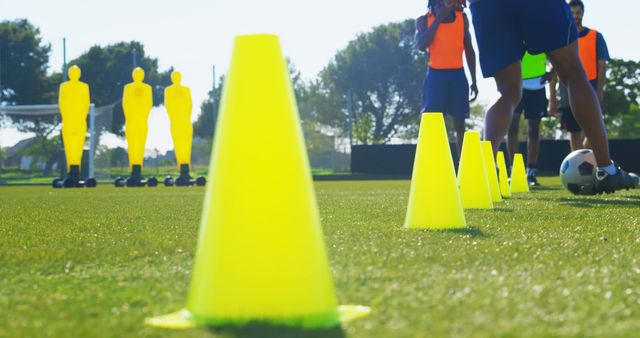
95, 263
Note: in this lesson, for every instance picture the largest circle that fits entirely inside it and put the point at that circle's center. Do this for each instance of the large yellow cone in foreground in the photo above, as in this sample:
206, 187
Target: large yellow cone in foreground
503, 178
472, 174
434, 201
261, 256
492, 175
519, 175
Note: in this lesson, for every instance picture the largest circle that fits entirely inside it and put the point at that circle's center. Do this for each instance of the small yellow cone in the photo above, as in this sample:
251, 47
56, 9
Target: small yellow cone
503, 177
490, 164
434, 201
519, 175
472, 174
261, 256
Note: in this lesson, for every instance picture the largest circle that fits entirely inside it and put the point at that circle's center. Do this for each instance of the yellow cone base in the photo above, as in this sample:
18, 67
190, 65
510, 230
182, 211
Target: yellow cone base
519, 182
490, 164
473, 180
503, 179
434, 200
183, 320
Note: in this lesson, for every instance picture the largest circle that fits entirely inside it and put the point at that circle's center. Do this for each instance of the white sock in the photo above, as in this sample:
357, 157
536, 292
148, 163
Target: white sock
531, 172
610, 169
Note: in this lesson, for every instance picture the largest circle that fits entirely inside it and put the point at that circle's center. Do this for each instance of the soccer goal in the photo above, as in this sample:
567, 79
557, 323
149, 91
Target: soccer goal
31, 149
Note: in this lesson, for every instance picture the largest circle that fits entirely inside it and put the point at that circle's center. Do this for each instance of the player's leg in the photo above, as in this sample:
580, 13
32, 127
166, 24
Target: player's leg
513, 141
459, 124
458, 103
535, 110
575, 140
501, 49
548, 26
435, 92
569, 124
584, 104
587, 112
533, 150
500, 114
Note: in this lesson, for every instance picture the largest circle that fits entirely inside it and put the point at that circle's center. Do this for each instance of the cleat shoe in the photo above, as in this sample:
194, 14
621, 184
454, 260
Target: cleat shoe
606, 183
533, 181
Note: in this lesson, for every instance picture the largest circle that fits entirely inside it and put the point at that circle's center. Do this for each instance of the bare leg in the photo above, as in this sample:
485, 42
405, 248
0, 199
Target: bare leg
575, 139
512, 137
583, 100
499, 116
459, 126
533, 144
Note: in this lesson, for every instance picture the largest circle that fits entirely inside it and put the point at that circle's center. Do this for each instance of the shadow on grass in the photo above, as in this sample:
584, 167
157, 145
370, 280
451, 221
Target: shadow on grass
545, 188
498, 209
270, 331
594, 202
471, 231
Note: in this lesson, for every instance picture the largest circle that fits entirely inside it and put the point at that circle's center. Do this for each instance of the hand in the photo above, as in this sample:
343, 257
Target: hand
474, 92
548, 77
458, 4
553, 107
442, 11
421, 23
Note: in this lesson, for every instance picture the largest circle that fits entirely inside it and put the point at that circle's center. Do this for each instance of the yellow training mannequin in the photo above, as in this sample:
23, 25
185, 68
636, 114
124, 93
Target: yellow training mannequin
137, 101
74, 102
177, 100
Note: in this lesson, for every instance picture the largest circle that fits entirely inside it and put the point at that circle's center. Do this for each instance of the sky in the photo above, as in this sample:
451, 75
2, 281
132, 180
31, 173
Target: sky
195, 35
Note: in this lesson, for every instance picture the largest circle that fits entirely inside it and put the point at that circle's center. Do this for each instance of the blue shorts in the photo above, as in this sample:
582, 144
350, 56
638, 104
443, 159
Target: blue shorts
505, 29
446, 91
533, 103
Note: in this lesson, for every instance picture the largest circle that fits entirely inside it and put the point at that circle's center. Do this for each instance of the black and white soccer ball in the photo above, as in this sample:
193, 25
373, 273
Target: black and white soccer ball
578, 172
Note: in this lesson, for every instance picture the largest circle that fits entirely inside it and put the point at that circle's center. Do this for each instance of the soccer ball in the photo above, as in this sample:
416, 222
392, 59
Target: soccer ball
578, 172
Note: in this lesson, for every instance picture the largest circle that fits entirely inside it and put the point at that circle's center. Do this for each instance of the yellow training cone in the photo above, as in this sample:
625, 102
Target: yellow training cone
434, 201
519, 175
472, 174
261, 257
503, 178
492, 175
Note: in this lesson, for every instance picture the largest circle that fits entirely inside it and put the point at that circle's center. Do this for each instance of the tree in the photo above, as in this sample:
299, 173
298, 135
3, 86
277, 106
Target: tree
108, 69
205, 125
3, 157
24, 60
621, 95
383, 72
24, 63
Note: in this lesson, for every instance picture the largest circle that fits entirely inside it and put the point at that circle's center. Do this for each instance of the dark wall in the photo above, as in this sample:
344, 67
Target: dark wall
397, 160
